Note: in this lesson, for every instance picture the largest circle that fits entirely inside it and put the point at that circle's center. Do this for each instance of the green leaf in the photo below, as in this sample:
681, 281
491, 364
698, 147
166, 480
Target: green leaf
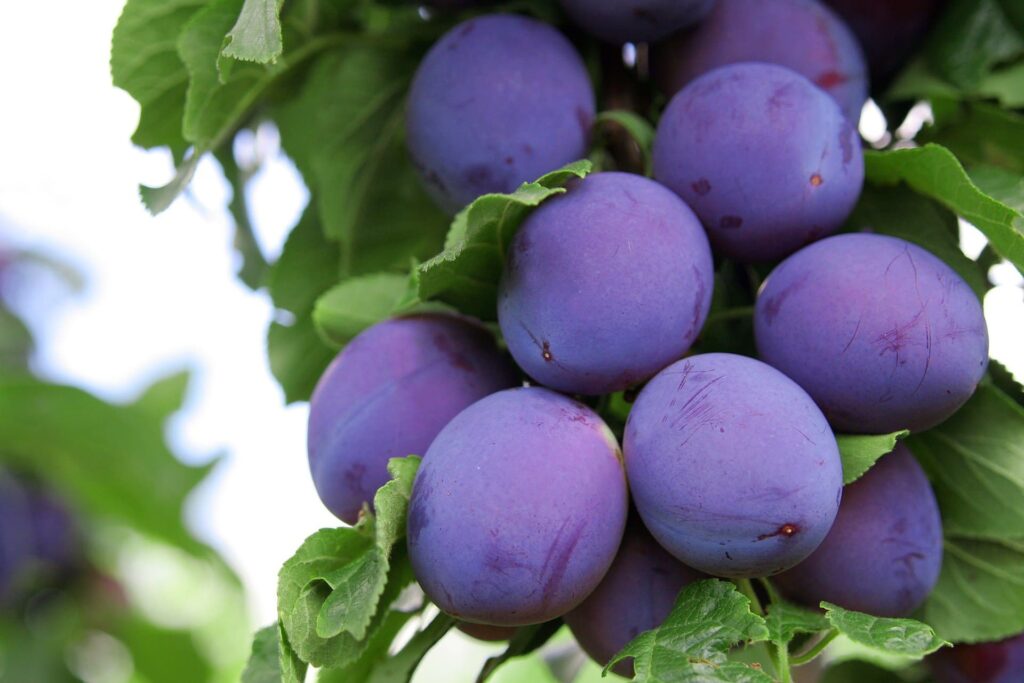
345, 132
693, 642
297, 356
157, 199
785, 620
334, 593
144, 62
860, 451
526, 640
980, 593
903, 213
110, 460
153, 647
303, 588
212, 106
975, 461
933, 171
256, 36
905, 637
374, 655
978, 133
293, 669
166, 396
971, 37
1005, 85
1004, 380
639, 128
16, 343
467, 272
264, 665
350, 307
400, 667
308, 265
359, 584
254, 266
1000, 184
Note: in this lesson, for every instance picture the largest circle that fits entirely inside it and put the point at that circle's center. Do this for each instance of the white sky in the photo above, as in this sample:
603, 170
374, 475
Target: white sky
161, 292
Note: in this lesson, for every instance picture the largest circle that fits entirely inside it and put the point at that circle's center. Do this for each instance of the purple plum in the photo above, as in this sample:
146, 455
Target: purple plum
605, 285
622, 21
636, 595
764, 158
517, 509
499, 100
803, 35
486, 632
731, 465
388, 394
880, 332
998, 662
888, 30
889, 515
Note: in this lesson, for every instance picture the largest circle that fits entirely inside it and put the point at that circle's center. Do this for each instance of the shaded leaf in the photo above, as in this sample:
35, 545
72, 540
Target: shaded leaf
980, 593
527, 639
932, 170
975, 461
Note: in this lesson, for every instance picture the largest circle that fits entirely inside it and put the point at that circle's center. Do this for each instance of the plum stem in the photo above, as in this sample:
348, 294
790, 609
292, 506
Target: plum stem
747, 588
815, 649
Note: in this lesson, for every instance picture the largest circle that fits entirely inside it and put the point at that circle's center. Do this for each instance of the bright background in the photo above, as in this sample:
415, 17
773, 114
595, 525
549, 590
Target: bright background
161, 294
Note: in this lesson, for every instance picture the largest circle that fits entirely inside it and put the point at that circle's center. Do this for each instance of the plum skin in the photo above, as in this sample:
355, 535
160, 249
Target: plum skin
889, 32
802, 35
762, 156
997, 662
618, 21
884, 335
636, 595
498, 101
732, 467
518, 509
605, 285
889, 515
40, 542
387, 395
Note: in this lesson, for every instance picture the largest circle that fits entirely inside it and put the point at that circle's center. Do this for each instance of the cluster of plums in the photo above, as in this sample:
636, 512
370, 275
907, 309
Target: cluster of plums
521, 512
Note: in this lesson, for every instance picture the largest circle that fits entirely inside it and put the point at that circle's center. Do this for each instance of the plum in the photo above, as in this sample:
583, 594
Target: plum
486, 632
731, 465
517, 509
888, 31
803, 35
880, 332
618, 21
499, 100
636, 595
605, 285
889, 515
764, 158
388, 394
40, 543
997, 662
